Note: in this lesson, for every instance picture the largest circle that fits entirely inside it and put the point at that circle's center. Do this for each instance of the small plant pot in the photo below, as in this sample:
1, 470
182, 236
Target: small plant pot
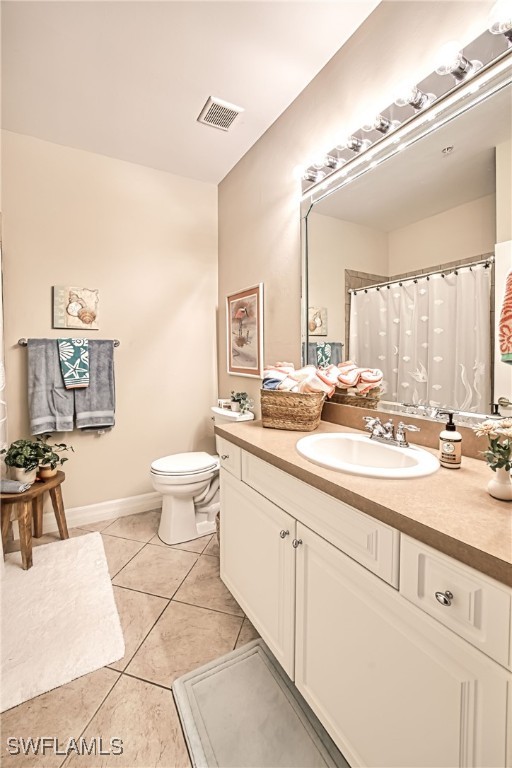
235, 407
25, 477
46, 471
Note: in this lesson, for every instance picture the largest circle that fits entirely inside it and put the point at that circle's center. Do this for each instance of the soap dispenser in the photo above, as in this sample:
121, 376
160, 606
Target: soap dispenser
450, 444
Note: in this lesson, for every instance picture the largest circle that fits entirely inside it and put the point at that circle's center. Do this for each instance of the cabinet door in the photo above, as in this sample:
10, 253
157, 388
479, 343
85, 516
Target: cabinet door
393, 687
257, 564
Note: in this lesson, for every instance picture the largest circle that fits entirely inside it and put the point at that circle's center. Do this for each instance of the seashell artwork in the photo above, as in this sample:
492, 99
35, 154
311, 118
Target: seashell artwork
75, 307
317, 321
87, 316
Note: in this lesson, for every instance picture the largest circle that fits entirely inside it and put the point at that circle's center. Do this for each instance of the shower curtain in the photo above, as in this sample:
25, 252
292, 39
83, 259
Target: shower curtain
430, 336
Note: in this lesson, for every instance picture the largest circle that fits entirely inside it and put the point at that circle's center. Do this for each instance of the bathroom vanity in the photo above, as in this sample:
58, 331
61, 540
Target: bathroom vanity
388, 602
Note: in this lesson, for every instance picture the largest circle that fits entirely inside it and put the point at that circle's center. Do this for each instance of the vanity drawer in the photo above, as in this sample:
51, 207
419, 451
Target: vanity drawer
230, 456
479, 609
371, 543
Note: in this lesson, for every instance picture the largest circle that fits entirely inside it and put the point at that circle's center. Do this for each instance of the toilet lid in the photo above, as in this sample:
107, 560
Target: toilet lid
184, 463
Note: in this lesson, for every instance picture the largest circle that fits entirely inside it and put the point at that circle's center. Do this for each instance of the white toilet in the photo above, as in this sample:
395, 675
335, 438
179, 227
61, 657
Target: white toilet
189, 484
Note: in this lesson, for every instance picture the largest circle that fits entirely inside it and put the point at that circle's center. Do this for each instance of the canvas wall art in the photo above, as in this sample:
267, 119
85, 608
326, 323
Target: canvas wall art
244, 313
75, 307
317, 321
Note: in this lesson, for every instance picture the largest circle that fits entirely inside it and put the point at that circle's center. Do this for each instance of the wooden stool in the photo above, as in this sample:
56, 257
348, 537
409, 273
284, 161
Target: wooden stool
29, 505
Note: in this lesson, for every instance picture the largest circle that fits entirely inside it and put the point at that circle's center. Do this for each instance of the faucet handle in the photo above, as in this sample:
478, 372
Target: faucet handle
407, 427
371, 422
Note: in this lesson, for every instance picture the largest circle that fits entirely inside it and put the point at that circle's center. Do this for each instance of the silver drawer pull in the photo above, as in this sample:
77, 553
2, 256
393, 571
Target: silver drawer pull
225, 456
445, 598
296, 542
283, 534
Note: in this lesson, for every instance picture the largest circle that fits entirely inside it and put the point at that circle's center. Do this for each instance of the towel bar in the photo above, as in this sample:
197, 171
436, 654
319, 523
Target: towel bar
23, 342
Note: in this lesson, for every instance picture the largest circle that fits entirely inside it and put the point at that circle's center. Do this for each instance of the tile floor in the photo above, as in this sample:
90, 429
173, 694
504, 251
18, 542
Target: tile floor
176, 615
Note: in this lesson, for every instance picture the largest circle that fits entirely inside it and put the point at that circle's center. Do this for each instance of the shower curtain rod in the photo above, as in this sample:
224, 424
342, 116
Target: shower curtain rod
23, 342
414, 278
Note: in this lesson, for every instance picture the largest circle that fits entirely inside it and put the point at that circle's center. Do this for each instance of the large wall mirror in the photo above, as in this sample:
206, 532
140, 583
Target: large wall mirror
403, 266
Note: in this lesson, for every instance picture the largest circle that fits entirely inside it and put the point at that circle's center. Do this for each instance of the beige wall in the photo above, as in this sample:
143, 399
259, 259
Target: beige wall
459, 233
259, 235
504, 192
335, 246
148, 241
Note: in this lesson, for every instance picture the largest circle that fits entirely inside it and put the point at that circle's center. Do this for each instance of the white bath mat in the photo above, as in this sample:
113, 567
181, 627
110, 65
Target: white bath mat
59, 618
242, 711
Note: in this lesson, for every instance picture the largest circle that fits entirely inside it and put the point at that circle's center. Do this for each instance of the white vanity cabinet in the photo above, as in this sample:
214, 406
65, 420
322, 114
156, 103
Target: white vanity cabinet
393, 686
258, 564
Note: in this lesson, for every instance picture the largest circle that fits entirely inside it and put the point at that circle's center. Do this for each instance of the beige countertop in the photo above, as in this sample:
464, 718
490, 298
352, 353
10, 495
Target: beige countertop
449, 510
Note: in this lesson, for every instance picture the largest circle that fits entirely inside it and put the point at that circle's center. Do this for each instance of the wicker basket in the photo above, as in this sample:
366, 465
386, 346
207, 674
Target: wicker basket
291, 410
371, 400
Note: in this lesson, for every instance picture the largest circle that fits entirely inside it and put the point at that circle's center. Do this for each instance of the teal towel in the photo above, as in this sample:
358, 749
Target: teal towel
74, 362
323, 354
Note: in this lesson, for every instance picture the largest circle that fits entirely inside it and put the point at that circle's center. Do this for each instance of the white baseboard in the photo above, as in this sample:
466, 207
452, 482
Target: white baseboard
103, 510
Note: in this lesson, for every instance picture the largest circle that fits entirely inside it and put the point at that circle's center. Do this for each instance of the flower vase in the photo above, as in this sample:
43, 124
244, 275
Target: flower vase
235, 407
500, 486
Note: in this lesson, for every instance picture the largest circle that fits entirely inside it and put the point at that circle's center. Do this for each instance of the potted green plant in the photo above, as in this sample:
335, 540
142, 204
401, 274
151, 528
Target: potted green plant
50, 458
240, 401
23, 456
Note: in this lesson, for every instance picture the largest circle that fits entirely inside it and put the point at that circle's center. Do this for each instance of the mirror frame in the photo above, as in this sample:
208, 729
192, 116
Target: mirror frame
490, 79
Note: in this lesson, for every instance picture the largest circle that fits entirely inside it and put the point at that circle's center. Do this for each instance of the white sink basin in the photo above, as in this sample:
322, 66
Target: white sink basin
359, 455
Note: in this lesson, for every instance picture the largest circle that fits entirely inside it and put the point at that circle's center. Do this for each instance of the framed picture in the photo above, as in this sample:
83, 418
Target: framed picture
317, 321
75, 307
244, 316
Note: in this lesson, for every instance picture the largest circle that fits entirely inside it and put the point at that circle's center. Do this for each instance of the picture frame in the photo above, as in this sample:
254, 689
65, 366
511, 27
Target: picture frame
75, 307
244, 327
317, 321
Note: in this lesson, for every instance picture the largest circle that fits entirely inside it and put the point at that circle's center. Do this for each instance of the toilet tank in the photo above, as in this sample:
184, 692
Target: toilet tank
223, 416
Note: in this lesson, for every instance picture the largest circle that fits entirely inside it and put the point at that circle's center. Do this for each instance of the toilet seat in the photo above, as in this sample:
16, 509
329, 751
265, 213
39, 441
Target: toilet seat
184, 464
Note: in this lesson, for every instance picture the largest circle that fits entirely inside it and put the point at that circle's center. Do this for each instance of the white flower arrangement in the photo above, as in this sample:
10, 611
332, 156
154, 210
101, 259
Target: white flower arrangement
499, 435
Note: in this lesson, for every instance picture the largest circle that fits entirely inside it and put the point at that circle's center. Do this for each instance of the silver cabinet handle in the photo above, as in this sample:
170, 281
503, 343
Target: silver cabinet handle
296, 542
284, 533
225, 456
445, 598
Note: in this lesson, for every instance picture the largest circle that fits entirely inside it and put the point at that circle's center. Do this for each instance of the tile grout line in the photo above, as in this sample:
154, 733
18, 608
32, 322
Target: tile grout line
149, 682
204, 608
127, 562
151, 593
96, 710
145, 636
239, 633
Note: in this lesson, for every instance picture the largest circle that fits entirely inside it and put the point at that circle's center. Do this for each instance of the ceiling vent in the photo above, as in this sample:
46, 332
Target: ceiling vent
219, 114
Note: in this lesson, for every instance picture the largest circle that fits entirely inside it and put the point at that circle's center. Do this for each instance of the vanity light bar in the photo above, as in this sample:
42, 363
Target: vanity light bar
469, 77
456, 101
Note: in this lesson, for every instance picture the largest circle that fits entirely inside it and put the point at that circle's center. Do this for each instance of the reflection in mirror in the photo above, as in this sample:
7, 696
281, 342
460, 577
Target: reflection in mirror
400, 263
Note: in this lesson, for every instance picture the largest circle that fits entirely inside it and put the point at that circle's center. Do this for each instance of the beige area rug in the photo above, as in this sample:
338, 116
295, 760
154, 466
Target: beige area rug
59, 618
242, 711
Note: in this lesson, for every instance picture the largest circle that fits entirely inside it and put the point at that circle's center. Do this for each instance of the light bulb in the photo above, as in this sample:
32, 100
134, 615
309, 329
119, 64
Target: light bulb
411, 95
355, 144
327, 161
453, 62
500, 19
313, 175
381, 124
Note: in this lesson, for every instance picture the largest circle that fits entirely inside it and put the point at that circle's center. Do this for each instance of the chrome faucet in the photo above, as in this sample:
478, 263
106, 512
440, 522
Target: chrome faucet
385, 433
